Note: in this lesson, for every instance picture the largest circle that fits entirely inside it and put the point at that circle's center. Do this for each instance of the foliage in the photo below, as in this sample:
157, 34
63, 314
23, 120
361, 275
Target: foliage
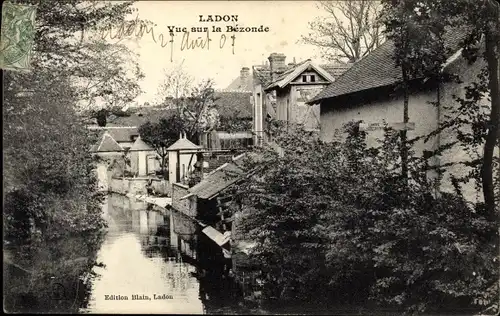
194, 103
338, 213
417, 27
232, 124
50, 185
162, 135
198, 111
176, 84
349, 31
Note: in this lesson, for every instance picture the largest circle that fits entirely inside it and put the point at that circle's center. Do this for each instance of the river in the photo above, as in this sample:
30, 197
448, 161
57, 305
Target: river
153, 253
145, 252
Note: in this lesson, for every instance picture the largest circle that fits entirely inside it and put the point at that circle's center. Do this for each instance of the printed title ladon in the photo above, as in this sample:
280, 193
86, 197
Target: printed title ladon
218, 18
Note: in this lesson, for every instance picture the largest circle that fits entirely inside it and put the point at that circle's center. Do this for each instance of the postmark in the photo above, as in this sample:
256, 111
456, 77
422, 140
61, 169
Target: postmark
18, 32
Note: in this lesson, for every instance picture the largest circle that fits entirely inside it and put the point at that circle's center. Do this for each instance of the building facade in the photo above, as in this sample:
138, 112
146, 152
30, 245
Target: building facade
281, 91
368, 93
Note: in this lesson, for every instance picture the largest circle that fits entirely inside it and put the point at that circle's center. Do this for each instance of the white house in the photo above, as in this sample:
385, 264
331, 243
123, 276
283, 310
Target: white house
182, 156
367, 92
143, 158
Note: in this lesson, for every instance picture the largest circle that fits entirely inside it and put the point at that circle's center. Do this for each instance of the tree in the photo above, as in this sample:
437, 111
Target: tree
428, 20
418, 50
336, 222
50, 186
162, 135
176, 84
193, 103
198, 111
349, 31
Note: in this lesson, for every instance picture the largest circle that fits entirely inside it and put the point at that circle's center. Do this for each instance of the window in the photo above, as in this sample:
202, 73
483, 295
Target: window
308, 78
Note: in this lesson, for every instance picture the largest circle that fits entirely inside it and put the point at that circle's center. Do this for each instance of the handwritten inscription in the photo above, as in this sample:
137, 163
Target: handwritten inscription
189, 36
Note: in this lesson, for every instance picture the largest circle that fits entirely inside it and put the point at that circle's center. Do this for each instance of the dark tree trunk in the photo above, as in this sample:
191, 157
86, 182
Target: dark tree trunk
487, 173
403, 132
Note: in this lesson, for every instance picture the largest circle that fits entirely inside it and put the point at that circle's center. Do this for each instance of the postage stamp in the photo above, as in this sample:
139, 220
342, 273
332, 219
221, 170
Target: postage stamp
18, 31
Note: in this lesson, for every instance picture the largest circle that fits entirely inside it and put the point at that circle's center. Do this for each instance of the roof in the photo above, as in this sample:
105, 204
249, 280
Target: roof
183, 143
336, 69
106, 144
294, 71
139, 116
243, 84
262, 74
140, 145
234, 104
377, 69
123, 134
222, 177
218, 180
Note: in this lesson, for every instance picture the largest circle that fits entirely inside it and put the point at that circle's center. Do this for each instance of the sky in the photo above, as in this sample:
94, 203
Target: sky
287, 21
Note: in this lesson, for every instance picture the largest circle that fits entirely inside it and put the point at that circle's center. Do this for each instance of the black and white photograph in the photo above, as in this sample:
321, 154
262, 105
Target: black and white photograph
251, 157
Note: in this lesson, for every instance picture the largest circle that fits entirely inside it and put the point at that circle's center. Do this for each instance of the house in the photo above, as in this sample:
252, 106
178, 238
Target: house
107, 146
281, 91
182, 158
243, 83
368, 92
143, 158
234, 105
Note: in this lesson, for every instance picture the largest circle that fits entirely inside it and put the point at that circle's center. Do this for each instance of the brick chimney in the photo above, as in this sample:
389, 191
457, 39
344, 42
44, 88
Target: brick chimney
277, 64
244, 72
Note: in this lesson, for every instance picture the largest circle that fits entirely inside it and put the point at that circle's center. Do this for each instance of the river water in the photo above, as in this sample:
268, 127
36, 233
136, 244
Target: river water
146, 252
153, 255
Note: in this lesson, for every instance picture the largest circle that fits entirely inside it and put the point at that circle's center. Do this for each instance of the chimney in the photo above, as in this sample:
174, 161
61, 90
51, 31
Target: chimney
277, 64
244, 72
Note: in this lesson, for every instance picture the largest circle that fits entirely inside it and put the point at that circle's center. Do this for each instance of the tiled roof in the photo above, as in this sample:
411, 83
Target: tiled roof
222, 177
140, 116
336, 69
241, 84
295, 71
377, 69
183, 143
106, 144
140, 145
215, 162
234, 104
123, 134
262, 74
290, 69
217, 181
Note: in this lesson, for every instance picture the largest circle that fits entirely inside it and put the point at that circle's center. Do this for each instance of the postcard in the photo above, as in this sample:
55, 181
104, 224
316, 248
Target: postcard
251, 157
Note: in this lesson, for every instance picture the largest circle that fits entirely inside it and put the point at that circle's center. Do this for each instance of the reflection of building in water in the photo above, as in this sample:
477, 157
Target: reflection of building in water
183, 234
186, 261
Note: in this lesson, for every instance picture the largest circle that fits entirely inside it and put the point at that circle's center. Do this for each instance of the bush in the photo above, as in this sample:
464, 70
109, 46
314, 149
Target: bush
341, 219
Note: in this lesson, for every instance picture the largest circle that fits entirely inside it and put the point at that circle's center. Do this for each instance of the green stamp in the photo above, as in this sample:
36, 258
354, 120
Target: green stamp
18, 32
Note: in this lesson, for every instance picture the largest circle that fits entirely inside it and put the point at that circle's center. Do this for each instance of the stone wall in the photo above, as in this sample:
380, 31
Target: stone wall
138, 186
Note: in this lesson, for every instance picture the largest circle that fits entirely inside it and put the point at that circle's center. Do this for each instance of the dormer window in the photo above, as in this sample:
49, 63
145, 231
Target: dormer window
304, 78
313, 78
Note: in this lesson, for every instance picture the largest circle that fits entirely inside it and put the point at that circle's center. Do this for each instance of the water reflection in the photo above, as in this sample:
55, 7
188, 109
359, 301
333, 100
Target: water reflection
146, 252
